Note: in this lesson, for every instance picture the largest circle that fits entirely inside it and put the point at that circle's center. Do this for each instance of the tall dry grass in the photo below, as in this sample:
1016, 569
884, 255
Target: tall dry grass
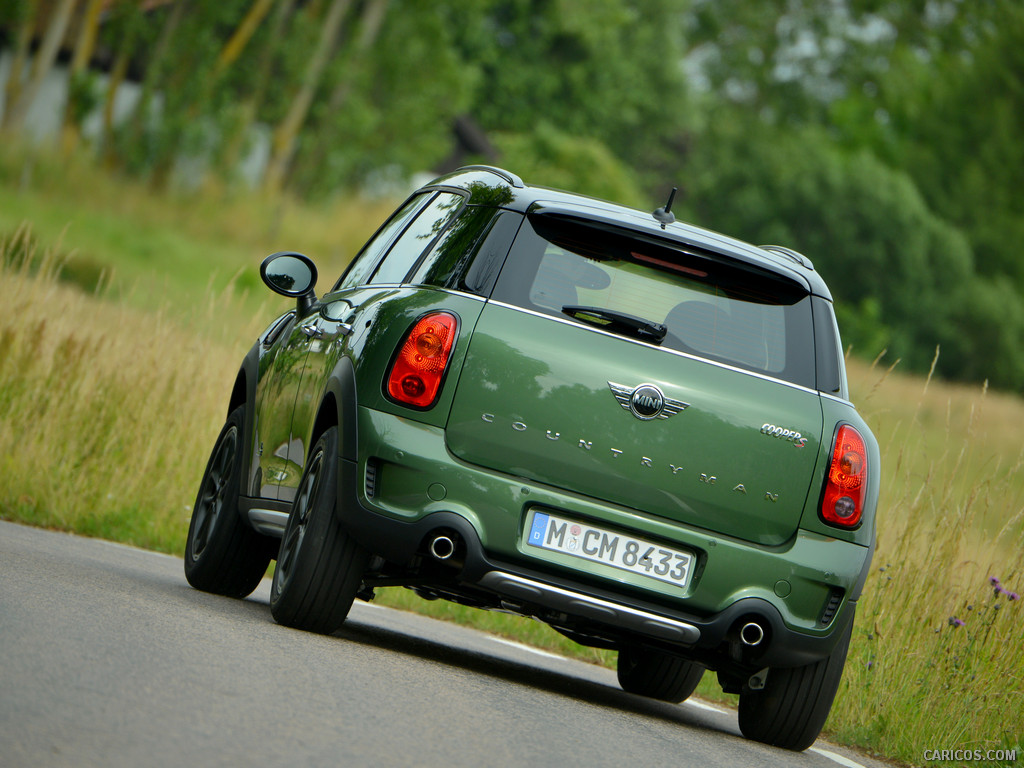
105, 409
937, 660
108, 411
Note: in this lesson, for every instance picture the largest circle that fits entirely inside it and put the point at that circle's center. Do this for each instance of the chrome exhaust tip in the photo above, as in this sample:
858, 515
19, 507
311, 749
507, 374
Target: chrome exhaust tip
442, 547
751, 633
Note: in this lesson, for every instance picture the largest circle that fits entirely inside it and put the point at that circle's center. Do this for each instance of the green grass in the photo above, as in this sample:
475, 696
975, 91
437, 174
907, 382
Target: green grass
110, 401
164, 250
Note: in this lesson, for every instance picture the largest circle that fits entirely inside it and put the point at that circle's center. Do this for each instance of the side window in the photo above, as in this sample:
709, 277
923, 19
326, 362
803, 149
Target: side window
831, 369
363, 264
477, 240
417, 237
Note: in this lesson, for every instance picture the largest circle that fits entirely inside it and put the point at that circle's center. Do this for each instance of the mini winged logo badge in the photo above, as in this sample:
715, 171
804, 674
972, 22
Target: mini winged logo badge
646, 401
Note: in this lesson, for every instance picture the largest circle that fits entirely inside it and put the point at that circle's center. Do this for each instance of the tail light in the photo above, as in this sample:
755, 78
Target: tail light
418, 368
842, 503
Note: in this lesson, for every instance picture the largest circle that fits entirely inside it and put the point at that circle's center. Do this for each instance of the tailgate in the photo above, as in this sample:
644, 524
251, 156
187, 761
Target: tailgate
668, 434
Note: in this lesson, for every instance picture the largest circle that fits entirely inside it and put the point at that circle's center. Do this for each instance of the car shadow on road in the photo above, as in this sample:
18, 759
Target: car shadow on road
482, 661
540, 677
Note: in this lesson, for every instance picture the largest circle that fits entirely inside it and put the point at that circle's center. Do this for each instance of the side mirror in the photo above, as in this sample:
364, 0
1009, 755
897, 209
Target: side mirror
291, 274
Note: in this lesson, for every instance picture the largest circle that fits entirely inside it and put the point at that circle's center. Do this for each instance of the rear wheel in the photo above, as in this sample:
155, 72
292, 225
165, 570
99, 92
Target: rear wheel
222, 554
319, 566
791, 709
657, 675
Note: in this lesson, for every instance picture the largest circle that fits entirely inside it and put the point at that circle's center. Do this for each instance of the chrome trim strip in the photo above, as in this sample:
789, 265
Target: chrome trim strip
577, 604
268, 522
676, 352
830, 396
437, 288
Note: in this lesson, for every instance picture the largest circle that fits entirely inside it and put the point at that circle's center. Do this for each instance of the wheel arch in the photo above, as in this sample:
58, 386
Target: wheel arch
243, 393
338, 408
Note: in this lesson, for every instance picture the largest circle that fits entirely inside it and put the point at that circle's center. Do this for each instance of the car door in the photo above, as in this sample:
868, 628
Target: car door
275, 397
340, 325
280, 454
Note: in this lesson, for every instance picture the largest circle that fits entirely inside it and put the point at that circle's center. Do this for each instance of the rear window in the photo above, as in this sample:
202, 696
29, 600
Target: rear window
712, 307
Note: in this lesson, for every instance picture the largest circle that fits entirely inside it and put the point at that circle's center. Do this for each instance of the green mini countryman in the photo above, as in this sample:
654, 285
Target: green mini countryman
515, 398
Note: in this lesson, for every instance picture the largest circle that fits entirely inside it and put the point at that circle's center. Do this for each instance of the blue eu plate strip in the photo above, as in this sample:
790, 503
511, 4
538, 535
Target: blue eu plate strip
538, 529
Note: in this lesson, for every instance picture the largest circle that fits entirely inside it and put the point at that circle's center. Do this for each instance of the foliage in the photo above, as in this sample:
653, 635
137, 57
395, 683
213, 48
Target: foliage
909, 114
600, 70
930, 93
393, 111
951, 120
549, 157
903, 278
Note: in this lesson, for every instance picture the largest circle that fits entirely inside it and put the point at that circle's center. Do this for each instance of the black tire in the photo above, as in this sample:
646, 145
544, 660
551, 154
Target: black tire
657, 675
320, 566
791, 709
222, 554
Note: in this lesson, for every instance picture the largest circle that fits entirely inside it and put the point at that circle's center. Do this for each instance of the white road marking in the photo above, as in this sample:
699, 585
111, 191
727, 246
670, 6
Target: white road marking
531, 649
707, 707
844, 761
139, 550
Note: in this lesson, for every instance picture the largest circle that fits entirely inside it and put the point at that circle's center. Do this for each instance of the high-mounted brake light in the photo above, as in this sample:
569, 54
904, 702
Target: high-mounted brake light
842, 503
418, 369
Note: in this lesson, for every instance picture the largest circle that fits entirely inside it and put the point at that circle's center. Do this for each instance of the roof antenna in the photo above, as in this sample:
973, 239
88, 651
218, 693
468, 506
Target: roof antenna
665, 215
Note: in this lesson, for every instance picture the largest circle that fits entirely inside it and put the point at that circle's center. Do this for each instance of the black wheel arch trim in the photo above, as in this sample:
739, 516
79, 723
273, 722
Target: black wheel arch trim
341, 387
243, 393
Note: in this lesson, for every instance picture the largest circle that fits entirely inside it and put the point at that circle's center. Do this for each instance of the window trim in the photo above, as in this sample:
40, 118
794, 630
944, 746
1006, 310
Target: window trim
428, 195
435, 194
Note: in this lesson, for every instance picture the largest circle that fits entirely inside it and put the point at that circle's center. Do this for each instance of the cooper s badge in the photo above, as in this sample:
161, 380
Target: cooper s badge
646, 401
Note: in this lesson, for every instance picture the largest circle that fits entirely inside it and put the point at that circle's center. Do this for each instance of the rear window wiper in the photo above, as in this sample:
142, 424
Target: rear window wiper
619, 322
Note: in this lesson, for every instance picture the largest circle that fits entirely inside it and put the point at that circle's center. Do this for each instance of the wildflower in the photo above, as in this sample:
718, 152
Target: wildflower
955, 622
1012, 596
994, 581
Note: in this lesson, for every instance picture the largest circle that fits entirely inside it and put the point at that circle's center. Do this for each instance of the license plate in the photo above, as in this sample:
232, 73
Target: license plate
628, 553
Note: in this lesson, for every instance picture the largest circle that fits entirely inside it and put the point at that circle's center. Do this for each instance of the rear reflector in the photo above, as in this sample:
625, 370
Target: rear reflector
842, 503
418, 369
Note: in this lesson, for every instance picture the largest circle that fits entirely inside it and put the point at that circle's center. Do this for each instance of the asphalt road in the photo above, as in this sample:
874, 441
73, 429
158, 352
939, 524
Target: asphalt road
108, 658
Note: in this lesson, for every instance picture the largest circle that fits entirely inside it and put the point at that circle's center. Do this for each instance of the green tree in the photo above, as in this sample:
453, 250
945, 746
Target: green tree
603, 69
901, 275
388, 107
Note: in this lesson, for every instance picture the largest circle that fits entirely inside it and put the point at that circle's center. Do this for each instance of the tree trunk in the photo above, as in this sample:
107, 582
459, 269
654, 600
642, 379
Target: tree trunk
21, 50
141, 112
45, 56
287, 131
236, 44
250, 107
372, 21
84, 47
128, 41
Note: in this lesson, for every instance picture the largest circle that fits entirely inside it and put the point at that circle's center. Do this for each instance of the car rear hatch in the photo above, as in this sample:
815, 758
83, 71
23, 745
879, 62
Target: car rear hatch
715, 425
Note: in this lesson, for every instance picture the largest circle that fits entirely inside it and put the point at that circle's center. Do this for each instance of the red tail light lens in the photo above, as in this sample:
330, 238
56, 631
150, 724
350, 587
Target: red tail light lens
416, 374
842, 504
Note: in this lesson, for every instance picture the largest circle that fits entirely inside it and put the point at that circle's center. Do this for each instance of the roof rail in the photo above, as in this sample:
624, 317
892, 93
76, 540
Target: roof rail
511, 178
790, 254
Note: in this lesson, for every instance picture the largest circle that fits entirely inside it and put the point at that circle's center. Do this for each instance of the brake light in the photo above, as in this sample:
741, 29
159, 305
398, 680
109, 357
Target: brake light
418, 369
842, 503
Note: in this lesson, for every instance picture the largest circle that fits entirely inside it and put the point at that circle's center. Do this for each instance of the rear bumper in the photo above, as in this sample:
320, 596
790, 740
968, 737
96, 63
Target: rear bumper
800, 593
